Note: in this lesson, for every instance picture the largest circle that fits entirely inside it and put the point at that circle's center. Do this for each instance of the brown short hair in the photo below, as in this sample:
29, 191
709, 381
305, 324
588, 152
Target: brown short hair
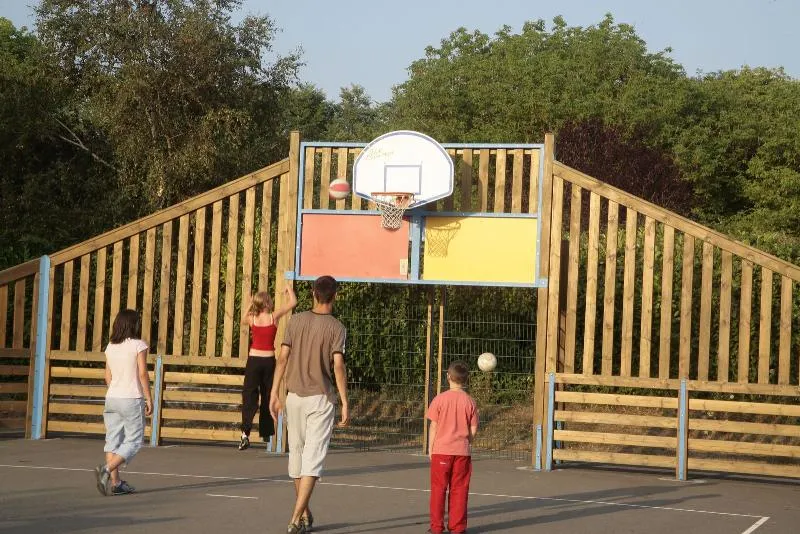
459, 372
325, 289
127, 324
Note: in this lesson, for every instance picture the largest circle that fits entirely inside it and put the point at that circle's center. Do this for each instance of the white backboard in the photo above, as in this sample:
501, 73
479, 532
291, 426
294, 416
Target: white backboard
407, 162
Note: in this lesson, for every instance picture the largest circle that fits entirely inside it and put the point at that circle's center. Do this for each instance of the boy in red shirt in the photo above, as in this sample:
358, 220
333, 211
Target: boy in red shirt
454, 423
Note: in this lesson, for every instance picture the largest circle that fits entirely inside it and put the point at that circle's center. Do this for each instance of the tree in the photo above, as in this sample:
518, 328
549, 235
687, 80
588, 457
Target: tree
355, 116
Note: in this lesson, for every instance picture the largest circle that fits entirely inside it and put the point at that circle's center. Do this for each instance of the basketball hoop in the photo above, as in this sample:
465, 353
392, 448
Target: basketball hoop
392, 206
437, 238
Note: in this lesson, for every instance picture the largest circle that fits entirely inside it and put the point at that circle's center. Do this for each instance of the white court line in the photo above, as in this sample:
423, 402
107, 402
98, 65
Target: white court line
229, 496
761, 519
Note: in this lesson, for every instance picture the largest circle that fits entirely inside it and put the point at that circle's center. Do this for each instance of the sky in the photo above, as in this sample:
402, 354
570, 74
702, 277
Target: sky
372, 43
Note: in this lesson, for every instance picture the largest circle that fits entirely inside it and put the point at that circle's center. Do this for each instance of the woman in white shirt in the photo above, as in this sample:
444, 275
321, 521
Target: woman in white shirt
128, 401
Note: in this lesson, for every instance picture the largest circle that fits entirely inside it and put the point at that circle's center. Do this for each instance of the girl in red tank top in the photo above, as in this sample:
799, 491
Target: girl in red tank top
262, 318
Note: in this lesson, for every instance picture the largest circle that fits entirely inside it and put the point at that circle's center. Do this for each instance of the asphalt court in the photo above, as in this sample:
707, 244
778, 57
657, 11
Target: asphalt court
48, 486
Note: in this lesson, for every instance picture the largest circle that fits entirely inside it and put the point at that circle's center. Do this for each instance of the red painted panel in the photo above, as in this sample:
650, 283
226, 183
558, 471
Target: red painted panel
352, 246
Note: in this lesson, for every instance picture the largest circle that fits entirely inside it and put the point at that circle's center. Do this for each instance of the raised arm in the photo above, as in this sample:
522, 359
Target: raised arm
246, 317
144, 380
289, 305
340, 372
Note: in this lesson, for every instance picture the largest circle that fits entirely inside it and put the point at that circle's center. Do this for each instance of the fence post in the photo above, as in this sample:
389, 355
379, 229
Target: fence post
683, 431
537, 460
155, 423
551, 402
40, 363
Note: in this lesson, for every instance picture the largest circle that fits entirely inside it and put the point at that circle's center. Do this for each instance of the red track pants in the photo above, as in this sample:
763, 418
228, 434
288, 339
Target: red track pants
453, 473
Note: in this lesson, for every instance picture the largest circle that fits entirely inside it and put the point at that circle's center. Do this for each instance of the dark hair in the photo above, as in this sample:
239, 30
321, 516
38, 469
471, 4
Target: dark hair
459, 372
325, 289
127, 324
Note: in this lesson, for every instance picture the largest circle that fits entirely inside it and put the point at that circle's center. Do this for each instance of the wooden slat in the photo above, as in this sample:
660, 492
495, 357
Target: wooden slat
749, 389
31, 364
13, 406
13, 387
12, 423
196, 313
217, 416
785, 347
610, 287
76, 409
516, 182
629, 281
765, 326
200, 433
704, 345
500, 181
212, 397
466, 180
483, 180
759, 408
554, 281
96, 373
752, 468
612, 399
83, 302
629, 440
619, 419
449, 201
14, 370
266, 237
51, 277
685, 333
648, 460
325, 177
618, 381
78, 428
8, 352
308, 177
745, 308
116, 279
590, 315
247, 265
203, 378
3, 314
76, 390
341, 173
232, 242
724, 343
358, 202
180, 285
213, 281
133, 272
645, 337
147, 289
163, 285
572, 278
738, 427
682, 224
204, 361
66, 308
19, 313
22, 270
665, 332
533, 193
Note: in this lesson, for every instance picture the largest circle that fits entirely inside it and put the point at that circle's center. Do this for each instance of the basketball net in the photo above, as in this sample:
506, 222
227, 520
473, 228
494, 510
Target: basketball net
392, 207
437, 238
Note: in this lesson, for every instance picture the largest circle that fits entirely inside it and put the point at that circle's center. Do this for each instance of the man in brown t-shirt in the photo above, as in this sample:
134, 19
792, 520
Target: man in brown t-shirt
312, 354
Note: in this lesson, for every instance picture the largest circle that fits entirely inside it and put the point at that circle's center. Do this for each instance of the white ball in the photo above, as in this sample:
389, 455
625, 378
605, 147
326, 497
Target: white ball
339, 189
487, 362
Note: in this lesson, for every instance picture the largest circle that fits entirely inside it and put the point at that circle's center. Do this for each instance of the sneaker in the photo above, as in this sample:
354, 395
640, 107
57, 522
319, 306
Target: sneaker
307, 522
103, 479
244, 444
123, 488
294, 528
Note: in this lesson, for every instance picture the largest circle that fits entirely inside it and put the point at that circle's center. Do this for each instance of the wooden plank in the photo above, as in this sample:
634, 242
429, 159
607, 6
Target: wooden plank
19, 313
724, 343
341, 173
428, 344
200, 433
628, 291
325, 178
216, 416
749, 389
533, 192
51, 277
682, 224
466, 180
247, 265
171, 377
133, 272
308, 179
196, 313
554, 281
738, 427
8, 352
12, 423
147, 288
685, 333
12, 274
618, 419
96, 373
14, 370
759, 408
76, 409
745, 308
646, 316
572, 278
116, 279
610, 288
13, 406
704, 345
66, 308
180, 285
13, 387
593, 252
163, 286
613, 399
784, 350
440, 345
617, 458
266, 237
765, 326
483, 180
358, 202
751, 468
83, 302
449, 201
232, 245
68, 355
500, 180
171, 213
209, 397
3, 315
629, 440
30, 396
76, 428
213, 281
76, 390
516, 182
665, 332
618, 381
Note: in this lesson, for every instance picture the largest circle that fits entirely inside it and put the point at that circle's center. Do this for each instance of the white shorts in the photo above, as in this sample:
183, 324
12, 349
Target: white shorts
309, 424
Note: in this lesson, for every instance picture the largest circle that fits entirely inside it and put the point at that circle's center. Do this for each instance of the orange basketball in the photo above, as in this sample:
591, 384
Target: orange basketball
339, 189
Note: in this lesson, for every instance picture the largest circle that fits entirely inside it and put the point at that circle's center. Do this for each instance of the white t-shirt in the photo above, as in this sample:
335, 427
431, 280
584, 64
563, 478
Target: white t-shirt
121, 360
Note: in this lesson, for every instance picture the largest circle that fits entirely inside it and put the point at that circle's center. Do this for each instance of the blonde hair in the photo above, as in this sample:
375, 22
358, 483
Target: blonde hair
261, 302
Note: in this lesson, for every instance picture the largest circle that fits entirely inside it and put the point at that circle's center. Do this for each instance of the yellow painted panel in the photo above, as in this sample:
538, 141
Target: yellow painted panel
480, 249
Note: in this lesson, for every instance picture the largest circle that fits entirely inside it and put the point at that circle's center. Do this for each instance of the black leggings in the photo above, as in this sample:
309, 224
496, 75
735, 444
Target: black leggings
258, 376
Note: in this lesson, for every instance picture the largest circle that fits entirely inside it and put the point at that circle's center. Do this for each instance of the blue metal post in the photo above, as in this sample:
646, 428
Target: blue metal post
551, 402
40, 354
279, 434
538, 458
155, 427
416, 239
683, 430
